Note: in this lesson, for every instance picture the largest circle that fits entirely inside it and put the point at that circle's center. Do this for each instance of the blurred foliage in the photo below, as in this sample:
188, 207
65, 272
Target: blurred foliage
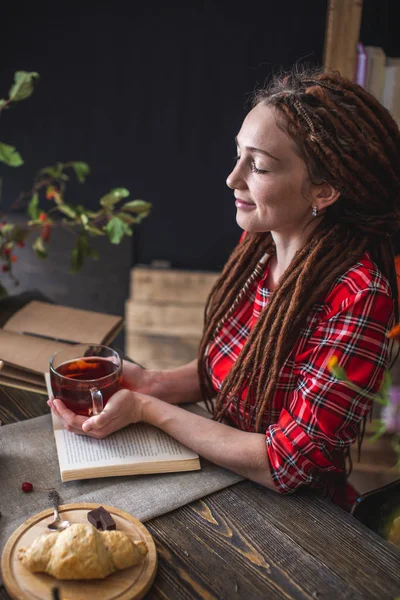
114, 218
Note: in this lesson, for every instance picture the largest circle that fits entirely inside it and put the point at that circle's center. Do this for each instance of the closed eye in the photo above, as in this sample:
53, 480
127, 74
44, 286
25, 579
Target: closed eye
255, 170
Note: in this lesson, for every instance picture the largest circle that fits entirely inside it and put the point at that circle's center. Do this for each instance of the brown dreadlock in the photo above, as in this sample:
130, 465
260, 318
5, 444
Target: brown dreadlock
348, 139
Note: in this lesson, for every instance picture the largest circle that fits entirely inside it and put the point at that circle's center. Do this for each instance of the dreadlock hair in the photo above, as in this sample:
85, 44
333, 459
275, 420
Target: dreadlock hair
348, 139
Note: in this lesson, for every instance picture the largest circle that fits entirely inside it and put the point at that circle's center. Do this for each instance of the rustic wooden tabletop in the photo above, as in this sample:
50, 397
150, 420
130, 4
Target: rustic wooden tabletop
248, 542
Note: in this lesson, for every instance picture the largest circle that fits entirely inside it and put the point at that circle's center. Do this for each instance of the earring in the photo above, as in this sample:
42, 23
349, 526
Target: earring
314, 211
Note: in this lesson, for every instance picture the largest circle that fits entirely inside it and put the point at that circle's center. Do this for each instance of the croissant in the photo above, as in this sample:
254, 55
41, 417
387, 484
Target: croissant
82, 552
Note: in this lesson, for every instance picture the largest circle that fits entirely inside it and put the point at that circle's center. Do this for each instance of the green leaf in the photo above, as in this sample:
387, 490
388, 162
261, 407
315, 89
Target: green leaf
23, 85
338, 372
84, 219
385, 387
114, 196
77, 259
7, 228
86, 247
137, 206
127, 218
40, 248
93, 215
10, 156
378, 433
54, 172
93, 230
2, 103
116, 229
33, 206
81, 170
81, 250
67, 210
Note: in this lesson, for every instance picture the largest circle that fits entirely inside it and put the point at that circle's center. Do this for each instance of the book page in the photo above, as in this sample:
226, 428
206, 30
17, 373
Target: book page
63, 322
139, 443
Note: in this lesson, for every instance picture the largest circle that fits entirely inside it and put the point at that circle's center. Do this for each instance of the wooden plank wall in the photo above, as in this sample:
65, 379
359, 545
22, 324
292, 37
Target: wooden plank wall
343, 22
164, 315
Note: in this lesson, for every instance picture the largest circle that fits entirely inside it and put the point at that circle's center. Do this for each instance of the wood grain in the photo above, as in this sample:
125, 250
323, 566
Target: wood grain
164, 318
342, 33
161, 351
176, 286
248, 542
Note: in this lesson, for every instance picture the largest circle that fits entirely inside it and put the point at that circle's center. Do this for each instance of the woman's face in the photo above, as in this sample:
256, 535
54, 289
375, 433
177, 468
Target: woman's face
270, 180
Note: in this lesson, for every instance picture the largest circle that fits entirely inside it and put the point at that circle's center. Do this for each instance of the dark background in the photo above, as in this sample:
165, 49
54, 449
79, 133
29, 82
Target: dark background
151, 95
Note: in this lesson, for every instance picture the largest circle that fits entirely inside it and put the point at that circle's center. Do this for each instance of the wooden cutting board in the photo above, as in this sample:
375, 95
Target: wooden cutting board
132, 583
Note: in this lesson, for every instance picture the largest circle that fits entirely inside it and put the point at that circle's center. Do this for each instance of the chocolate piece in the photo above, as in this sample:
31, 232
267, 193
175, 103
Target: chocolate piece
107, 521
94, 518
101, 519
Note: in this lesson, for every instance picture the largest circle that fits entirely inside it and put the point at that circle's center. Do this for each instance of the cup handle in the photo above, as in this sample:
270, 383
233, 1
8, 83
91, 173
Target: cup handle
97, 401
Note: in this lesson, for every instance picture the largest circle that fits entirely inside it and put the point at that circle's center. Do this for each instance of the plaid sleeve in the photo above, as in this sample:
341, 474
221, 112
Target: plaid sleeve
323, 414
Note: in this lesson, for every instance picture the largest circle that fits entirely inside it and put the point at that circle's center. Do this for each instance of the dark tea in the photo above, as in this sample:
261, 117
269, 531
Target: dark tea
73, 380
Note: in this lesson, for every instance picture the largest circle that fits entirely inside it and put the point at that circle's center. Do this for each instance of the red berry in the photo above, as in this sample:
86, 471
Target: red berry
14, 258
20, 244
7, 251
27, 487
5, 268
43, 217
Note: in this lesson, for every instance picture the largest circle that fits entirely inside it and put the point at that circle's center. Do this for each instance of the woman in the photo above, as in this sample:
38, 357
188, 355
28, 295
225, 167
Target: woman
317, 191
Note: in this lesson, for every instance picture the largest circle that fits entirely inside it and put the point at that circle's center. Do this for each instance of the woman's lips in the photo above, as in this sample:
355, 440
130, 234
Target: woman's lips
242, 205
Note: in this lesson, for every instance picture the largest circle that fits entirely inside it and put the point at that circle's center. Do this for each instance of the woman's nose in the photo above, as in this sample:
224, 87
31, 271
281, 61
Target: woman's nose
234, 180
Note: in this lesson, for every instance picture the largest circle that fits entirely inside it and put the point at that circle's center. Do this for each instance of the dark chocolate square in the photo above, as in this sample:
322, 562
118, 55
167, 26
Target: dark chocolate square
101, 519
107, 522
94, 518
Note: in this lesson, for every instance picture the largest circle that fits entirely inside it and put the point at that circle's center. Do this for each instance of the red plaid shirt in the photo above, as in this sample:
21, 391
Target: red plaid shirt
314, 417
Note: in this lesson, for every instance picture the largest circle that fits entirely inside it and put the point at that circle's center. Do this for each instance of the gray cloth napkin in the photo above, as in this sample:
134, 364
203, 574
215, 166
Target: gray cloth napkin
28, 453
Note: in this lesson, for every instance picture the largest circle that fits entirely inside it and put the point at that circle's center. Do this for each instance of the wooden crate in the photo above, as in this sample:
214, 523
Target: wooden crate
342, 32
164, 315
171, 285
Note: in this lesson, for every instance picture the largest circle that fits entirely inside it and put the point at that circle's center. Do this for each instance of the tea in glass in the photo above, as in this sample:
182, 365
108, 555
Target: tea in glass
84, 377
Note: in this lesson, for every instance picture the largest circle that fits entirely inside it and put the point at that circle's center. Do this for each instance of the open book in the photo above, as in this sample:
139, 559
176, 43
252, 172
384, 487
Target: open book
135, 450
35, 332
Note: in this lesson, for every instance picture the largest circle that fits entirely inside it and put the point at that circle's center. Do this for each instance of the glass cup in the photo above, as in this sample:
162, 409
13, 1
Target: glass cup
85, 376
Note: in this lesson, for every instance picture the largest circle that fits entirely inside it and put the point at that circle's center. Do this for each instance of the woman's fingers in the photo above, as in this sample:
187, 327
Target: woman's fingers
122, 409
98, 421
50, 403
115, 415
71, 419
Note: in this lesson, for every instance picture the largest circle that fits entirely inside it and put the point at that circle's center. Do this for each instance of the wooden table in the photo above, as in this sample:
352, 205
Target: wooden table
248, 542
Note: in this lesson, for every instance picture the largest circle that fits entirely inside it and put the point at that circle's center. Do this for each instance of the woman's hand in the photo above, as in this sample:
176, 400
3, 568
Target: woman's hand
124, 407
139, 380
174, 386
